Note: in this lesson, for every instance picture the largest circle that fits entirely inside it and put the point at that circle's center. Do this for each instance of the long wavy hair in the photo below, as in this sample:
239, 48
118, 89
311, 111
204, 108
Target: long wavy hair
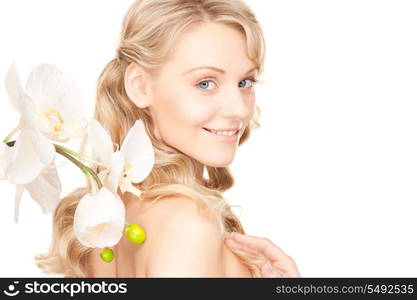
149, 29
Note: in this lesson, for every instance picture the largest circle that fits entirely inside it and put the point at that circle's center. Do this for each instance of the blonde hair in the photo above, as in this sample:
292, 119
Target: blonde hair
149, 29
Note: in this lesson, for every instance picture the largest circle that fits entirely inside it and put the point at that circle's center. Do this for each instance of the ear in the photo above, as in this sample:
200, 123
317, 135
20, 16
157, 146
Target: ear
137, 85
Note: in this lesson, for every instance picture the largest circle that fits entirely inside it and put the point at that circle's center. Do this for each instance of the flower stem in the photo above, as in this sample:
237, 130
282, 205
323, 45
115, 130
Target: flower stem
80, 156
86, 170
11, 134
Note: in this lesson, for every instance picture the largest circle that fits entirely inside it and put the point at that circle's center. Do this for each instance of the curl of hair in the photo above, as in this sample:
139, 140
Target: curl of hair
148, 32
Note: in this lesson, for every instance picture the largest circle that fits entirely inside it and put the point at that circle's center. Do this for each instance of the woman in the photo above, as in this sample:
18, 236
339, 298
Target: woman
186, 68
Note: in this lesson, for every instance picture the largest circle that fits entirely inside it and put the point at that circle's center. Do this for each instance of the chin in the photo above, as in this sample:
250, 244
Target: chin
219, 164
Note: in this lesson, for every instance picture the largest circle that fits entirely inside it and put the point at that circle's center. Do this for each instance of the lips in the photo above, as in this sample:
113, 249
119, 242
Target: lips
229, 129
213, 131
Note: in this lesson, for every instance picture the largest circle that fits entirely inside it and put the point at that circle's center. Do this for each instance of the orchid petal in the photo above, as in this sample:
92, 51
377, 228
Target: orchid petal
26, 162
97, 143
43, 147
138, 152
46, 189
74, 128
99, 219
52, 88
6, 155
117, 163
18, 199
13, 86
127, 186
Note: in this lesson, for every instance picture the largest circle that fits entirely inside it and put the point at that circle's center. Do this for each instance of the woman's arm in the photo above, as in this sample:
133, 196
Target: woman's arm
182, 243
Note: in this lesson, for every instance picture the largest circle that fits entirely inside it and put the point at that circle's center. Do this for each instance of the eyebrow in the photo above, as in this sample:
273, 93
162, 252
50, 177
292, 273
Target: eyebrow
214, 69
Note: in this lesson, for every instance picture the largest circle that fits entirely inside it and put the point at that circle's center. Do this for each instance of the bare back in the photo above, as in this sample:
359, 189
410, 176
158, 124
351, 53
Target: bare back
130, 257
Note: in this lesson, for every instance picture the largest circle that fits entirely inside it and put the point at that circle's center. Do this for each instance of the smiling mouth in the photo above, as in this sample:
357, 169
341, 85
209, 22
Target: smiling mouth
223, 133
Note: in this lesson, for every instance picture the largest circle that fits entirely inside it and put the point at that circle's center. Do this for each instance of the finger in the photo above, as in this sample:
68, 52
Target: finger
264, 265
268, 271
238, 246
262, 245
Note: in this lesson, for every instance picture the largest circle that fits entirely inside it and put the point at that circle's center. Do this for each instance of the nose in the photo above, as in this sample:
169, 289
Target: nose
237, 104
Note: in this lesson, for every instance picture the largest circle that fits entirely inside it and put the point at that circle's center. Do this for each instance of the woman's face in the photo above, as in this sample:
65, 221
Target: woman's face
206, 84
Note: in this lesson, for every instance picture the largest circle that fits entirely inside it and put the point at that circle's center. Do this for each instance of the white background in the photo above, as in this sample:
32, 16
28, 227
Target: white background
330, 177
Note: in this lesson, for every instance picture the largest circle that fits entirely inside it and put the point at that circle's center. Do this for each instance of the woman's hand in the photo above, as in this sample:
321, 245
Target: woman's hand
277, 263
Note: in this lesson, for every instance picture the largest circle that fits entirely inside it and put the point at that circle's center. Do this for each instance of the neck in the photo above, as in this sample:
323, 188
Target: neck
199, 171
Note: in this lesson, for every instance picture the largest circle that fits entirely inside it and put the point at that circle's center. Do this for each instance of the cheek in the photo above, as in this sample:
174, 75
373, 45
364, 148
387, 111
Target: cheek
179, 115
194, 112
252, 109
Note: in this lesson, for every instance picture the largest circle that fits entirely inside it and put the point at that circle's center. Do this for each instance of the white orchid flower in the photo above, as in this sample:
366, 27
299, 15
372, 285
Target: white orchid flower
50, 108
131, 164
58, 105
99, 219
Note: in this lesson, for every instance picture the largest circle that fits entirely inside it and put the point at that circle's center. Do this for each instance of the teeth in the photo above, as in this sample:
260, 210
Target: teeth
228, 133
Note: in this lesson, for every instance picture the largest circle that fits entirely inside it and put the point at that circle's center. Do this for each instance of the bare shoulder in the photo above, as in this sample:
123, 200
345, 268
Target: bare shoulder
181, 241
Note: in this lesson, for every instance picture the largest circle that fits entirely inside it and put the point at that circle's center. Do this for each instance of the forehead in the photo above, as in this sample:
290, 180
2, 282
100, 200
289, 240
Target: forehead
213, 44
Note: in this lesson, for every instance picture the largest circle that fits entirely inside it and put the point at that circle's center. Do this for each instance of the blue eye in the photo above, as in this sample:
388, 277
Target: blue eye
204, 84
251, 80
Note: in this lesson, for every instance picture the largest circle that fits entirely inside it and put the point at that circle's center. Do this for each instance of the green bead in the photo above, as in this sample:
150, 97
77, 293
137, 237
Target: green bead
107, 255
135, 234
